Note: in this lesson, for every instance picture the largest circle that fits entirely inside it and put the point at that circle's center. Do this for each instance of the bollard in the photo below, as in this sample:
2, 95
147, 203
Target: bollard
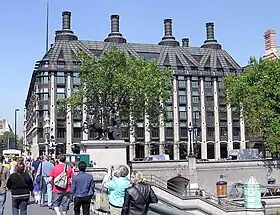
252, 194
221, 190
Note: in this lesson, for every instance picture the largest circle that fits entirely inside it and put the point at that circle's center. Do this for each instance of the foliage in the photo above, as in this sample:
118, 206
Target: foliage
258, 90
9, 137
116, 84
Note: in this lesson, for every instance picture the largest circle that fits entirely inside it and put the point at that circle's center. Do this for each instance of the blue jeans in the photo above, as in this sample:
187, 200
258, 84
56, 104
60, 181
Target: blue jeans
19, 205
48, 191
3, 195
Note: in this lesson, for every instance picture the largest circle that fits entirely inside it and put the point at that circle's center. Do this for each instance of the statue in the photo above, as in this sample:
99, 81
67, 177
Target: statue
109, 132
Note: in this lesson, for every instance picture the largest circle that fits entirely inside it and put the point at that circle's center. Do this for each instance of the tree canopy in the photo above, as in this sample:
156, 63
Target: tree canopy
257, 90
116, 84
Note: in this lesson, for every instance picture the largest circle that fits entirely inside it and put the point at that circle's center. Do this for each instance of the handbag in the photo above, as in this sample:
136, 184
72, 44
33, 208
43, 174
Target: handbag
102, 202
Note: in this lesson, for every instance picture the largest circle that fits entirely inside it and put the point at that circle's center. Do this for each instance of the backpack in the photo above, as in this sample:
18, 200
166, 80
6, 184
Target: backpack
60, 181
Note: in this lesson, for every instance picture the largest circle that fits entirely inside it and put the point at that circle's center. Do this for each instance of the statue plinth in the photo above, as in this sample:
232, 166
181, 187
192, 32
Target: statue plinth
106, 153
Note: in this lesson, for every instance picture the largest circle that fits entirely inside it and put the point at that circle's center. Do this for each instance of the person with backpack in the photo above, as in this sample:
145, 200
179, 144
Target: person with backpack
138, 197
61, 177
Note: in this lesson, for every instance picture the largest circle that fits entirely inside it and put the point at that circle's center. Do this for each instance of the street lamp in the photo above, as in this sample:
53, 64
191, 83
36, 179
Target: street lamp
47, 133
190, 128
16, 110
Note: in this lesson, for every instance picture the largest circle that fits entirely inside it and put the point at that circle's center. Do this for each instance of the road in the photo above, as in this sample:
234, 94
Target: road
33, 209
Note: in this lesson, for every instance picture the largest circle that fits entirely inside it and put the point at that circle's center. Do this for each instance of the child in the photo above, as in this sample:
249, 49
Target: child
36, 186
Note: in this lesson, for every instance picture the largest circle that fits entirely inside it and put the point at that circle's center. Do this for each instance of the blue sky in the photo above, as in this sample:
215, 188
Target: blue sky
239, 25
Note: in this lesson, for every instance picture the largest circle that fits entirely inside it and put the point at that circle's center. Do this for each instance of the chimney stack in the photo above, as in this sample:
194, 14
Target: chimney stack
185, 42
210, 31
115, 23
115, 36
270, 41
210, 41
66, 20
168, 39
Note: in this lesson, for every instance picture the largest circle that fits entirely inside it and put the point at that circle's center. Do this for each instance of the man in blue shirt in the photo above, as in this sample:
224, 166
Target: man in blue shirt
82, 190
46, 166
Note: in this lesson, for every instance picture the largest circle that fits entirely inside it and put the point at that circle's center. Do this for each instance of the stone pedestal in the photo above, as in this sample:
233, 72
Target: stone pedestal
105, 153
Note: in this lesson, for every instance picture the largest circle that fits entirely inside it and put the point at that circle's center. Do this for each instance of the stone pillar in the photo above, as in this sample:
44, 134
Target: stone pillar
161, 134
147, 136
53, 106
69, 124
217, 121
131, 139
189, 100
229, 128
203, 121
242, 129
176, 139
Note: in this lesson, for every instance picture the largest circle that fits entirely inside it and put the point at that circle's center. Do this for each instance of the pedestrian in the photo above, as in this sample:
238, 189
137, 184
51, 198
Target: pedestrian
35, 165
61, 177
45, 184
138, 197
82, 190
4, 175
116, 185
13, 164
21, 187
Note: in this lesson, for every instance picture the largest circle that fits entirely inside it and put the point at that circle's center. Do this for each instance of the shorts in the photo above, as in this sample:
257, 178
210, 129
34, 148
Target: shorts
62, 200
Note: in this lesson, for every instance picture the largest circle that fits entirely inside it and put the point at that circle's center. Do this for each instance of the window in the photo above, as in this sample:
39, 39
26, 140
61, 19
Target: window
60, 90
209, 98
223, 131
61, 64
170, 100
183, 132
210, 131
196, 114
75, 89
44, 80
221, 84
139, 132
194, 84
223, 115
169, 132
76, 80
60, 96
60, 80
182, 84
196, 132
46, 107
195, 99
44, 90
236, 131
210, 113
60, 132
77, 132
1, 126
182, 97
208, 84
169, 113
77, 124
43, 97
154, 132
183, 115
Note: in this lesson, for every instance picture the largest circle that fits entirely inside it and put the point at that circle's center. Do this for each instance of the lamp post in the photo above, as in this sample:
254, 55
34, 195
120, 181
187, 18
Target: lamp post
16, 111
47, 133
190, 128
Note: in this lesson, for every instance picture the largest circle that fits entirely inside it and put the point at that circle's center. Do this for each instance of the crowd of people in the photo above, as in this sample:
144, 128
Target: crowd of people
127, 191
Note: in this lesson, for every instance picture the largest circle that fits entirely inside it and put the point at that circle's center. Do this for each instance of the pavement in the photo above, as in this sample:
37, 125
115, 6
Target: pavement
33, 209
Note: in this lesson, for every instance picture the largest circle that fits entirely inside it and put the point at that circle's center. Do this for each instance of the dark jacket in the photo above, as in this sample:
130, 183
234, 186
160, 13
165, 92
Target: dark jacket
82, 185
137, 199
20, 184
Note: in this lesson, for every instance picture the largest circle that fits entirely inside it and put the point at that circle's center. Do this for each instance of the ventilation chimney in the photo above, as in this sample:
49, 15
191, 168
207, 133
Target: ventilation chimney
185, 42
270, 41
210, 41
168, 39
66, 33
115, 36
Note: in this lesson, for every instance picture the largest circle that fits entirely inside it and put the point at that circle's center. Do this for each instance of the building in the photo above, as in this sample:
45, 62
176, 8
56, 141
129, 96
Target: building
4, 126
271, 50
196, 95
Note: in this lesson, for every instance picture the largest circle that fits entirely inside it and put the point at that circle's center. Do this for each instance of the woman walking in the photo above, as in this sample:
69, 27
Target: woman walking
21, 186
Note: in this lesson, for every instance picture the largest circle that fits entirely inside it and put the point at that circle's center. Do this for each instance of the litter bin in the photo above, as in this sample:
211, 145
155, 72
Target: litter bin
221, 189
271, 181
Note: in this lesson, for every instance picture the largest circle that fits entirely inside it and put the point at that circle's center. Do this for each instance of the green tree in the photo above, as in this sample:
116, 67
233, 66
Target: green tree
257, 91
117, 85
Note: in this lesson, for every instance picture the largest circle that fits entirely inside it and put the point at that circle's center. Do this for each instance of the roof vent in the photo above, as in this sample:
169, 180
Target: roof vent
66, 33
210, 41
168, 39
115, 36
185, 42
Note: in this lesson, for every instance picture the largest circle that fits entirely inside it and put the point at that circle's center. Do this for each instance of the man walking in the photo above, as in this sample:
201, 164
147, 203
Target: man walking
4, 175
46, 166
61, 177
82, 190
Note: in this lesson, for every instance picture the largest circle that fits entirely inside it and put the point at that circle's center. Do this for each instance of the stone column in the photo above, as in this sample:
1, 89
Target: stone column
69, 124
161, 134
217, 121
53, 106
131, 139
147, 136
189, 101
229, 128
175, 120
203, 121
242, 129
